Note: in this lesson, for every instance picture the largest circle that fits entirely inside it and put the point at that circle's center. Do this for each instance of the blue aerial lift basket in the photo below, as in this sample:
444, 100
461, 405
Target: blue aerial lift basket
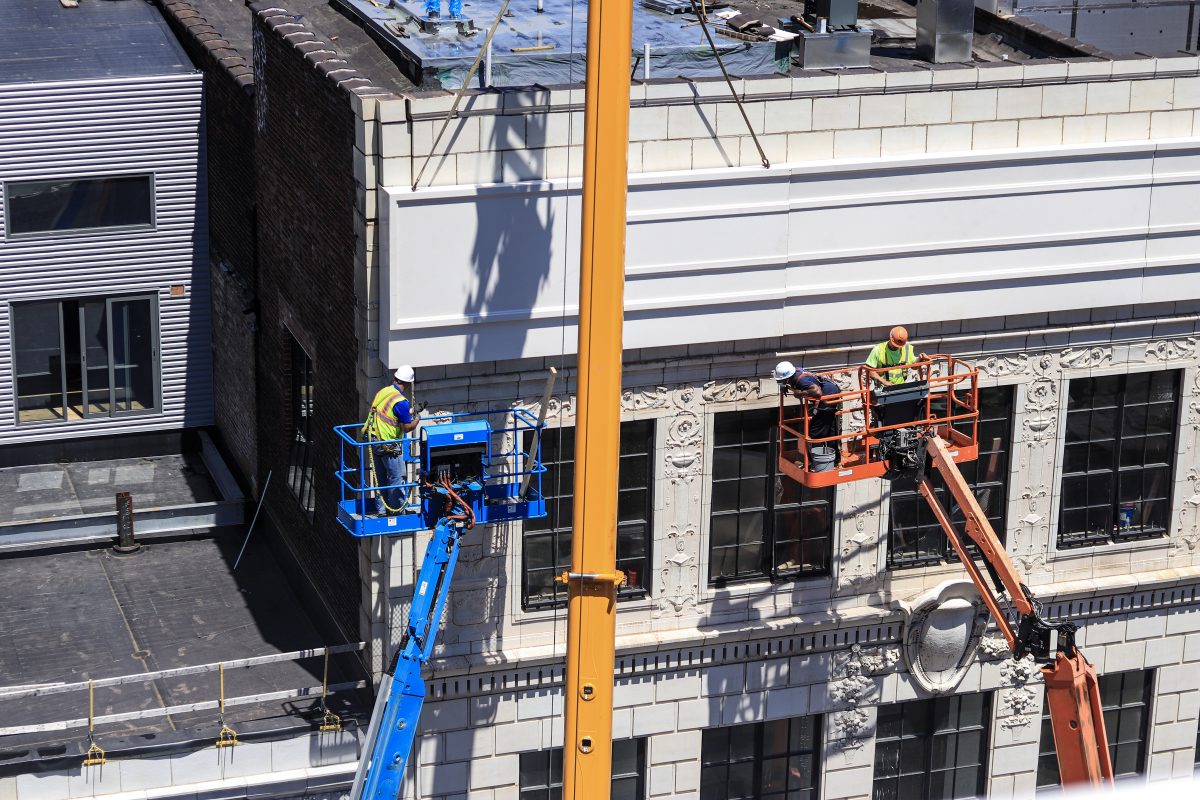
459, 443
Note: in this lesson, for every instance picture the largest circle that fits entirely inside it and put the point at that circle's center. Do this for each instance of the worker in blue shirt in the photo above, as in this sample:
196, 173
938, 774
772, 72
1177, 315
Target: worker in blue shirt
391, 417
824, 421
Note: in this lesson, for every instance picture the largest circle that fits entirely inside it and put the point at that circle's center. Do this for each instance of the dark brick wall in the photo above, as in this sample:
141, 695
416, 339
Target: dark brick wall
306, 243
229, 136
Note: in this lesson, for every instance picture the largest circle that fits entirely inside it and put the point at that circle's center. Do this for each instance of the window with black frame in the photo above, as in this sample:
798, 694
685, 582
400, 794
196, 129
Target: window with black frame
762, 523
82, 204
1125, 697
547, 541
915, 539
773, 760
300, 456
1119, 458
932, 749
541, 772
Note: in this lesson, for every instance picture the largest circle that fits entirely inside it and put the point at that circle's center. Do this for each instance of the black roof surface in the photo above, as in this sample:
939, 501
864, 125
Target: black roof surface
42, 41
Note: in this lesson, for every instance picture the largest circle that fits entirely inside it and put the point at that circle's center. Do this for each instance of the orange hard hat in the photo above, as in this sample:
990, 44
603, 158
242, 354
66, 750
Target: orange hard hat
898, 335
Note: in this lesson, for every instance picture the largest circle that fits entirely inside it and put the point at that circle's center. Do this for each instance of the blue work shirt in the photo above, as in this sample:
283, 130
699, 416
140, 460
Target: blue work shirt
806, 380
402, 411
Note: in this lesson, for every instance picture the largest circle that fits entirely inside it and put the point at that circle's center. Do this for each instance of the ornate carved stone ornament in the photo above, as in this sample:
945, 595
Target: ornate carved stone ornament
730, 391
1000, 365
680, 574
1085, 357
942, 629
1172, 349
1189, 516
1020, 702
853, 687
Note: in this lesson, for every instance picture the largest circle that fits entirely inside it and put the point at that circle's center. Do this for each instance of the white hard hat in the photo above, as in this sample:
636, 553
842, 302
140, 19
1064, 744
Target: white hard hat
405, 374
783, 370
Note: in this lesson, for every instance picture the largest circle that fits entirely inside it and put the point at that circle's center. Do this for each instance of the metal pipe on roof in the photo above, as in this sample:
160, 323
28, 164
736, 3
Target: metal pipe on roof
1128, 323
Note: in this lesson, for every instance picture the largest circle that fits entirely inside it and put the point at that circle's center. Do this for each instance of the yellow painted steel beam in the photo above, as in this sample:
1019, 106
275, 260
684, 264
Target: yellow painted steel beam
593, 579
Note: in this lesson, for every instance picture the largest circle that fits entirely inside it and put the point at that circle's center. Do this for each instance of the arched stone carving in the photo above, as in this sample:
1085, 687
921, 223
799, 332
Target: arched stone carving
942, 629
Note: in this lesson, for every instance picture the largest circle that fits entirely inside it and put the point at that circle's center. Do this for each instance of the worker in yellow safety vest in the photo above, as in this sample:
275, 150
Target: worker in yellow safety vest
895, 352
392, 415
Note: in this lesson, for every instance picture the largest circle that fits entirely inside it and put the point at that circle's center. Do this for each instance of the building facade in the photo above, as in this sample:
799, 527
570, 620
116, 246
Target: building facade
105, 313
1035, 214
1037, 219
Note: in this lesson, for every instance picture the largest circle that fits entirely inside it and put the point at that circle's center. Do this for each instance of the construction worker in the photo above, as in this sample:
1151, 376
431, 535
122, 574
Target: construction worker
895, 352
391, 416
823, 421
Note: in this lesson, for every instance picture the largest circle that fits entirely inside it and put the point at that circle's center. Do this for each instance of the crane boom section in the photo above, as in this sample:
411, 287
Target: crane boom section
593, 578
401, 694
1072, 691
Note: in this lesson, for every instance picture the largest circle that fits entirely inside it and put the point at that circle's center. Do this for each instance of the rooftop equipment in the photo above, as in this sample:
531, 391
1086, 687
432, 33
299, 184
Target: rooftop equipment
945, 30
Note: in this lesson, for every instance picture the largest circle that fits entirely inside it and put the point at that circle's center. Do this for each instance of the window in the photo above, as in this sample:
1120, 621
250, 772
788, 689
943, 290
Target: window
541, 772
932, 748
1120, 448
774, 760
763, 523
1125, 697
119, 201
300, 468
915, 538
85, 358
547, 543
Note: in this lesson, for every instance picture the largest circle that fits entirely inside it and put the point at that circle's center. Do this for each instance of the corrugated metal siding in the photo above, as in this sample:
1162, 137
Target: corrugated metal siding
68, 130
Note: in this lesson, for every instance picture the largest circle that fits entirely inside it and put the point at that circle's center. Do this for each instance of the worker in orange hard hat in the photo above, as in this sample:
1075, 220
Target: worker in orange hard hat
895, 352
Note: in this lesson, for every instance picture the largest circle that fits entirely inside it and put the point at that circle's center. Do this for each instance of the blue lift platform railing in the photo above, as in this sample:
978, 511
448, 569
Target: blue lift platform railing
458, 481
462, 443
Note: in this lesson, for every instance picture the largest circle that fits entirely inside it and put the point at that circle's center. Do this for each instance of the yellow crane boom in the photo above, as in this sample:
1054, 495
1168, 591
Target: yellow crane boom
593, 579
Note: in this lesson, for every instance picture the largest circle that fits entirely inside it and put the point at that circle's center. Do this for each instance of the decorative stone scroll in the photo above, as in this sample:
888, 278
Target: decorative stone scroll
1172, 349
731, 391
1085, 357
999, 366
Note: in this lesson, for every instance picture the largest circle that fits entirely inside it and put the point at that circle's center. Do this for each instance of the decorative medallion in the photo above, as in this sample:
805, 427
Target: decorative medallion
942, 629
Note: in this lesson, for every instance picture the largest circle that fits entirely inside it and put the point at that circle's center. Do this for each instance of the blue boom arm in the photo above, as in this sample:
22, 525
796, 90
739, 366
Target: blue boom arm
402, 691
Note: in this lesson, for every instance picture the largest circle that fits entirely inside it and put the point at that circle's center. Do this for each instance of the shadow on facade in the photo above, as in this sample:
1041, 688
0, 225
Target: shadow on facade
514, 247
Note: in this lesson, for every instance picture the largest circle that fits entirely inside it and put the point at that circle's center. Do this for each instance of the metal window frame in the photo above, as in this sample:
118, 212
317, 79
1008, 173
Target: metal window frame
155, 356
759, 757
1112, 537
306, 487
927, 765
623, 593
18, 237
946, 554
550, 753
1050, 752
767, 569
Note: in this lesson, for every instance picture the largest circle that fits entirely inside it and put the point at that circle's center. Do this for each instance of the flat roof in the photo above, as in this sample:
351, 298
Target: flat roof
41, 41
70, 615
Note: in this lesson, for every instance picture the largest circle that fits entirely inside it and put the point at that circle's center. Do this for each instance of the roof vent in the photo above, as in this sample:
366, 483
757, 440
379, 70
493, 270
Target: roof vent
945, 29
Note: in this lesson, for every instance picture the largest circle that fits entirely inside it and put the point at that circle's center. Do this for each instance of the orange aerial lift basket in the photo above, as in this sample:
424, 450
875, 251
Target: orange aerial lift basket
941, 397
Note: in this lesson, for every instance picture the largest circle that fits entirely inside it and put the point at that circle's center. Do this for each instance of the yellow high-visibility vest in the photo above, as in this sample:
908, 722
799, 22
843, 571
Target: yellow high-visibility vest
385, 422
884, 356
